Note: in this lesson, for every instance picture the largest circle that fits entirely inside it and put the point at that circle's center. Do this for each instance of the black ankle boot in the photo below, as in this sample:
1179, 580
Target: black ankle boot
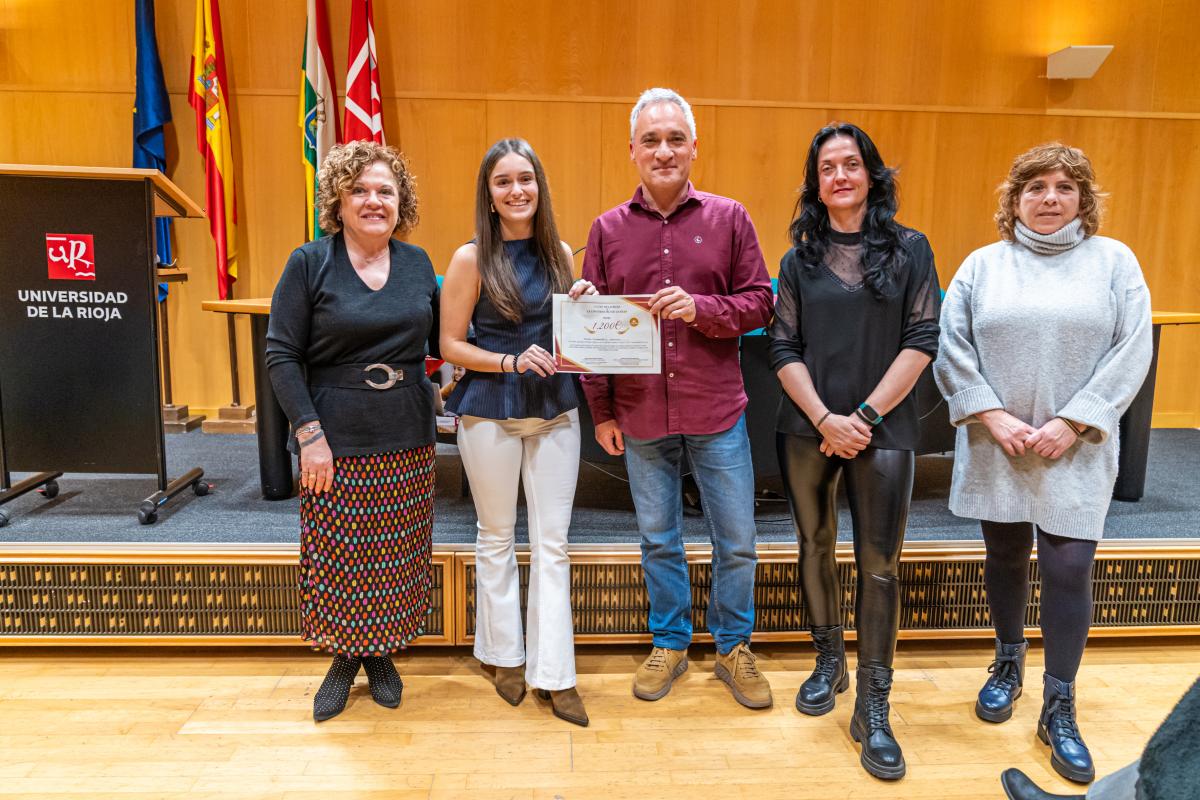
1018, 786
330, 699
386, 686
1056, 727
829, 678
881, 755
1001, 690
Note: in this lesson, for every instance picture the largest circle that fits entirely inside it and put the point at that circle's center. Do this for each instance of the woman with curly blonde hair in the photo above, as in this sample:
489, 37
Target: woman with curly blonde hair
1045, 340
352, 318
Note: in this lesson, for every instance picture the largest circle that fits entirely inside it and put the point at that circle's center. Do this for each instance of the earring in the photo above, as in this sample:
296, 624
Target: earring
492, 206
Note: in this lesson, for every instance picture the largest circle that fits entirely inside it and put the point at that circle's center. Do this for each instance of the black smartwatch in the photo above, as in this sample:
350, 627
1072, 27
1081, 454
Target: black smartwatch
869, 415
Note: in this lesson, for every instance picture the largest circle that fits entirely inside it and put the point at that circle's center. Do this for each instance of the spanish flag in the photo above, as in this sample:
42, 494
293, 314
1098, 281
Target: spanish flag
207, 93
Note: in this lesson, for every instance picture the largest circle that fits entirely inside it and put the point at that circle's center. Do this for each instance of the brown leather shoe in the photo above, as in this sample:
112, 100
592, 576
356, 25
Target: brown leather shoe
510, 684
738, 668
567, 705
655, 675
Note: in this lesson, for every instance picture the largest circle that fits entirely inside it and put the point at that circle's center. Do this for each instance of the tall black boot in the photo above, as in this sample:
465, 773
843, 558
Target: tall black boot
881, 755
829, 678
1056, 727
1003, 687
330, 699
386, 686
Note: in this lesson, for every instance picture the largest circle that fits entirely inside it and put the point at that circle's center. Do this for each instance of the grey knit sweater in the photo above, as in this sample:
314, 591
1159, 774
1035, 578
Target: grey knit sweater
1043, 336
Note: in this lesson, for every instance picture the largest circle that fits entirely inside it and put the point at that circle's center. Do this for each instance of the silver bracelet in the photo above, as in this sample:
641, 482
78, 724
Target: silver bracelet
320, 434
308, 428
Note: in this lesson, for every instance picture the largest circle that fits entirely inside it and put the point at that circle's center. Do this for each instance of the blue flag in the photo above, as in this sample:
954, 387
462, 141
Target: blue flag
151, 111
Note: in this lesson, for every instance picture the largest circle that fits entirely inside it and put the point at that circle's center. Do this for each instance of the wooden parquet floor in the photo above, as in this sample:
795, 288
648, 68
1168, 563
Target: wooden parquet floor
225, 723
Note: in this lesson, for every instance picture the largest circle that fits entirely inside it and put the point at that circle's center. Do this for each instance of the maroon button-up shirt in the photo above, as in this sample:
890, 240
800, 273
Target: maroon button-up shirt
708, 247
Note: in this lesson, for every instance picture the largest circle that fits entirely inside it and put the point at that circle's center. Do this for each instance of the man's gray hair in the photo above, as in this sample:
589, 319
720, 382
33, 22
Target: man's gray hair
660, 95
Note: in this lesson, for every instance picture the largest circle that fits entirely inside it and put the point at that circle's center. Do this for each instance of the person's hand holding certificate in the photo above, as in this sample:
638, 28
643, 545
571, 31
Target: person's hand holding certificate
613, 334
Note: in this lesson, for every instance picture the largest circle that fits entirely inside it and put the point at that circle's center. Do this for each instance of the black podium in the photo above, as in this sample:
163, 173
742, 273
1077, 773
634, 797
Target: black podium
79, 365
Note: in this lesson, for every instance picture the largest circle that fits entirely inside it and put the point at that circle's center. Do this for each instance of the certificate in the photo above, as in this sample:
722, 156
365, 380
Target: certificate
614, 334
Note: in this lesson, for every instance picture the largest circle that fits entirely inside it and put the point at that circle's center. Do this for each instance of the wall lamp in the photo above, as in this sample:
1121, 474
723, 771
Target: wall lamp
1074, 62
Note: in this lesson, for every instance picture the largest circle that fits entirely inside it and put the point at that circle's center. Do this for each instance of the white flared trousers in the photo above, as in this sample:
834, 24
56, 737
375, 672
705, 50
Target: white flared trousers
543, 456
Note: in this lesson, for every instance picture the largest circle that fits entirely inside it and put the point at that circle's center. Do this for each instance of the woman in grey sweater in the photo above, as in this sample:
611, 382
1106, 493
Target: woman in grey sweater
1045, 339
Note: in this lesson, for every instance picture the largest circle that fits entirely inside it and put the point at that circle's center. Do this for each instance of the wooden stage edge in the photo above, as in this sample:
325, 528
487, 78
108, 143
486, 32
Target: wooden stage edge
245, 594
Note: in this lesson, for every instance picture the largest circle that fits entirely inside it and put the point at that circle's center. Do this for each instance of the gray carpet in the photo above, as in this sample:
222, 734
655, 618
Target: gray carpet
102, 508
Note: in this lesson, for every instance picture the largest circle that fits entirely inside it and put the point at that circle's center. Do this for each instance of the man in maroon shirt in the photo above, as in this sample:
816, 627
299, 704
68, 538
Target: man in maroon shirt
698, 255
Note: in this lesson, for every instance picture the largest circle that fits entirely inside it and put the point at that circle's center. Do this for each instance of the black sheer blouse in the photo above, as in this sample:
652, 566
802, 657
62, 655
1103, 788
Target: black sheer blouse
827, 318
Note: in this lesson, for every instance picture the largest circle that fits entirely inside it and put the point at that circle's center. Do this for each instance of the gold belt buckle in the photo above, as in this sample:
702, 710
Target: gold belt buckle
392, 376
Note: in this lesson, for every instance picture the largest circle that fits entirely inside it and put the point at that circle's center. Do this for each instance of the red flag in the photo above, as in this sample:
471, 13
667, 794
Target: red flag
208, 90
364, 108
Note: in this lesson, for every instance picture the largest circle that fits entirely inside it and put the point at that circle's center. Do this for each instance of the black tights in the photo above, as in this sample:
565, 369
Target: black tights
879, 487
1065, 566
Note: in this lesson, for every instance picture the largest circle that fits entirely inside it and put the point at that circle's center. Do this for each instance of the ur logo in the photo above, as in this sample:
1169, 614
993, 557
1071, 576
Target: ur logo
70, 257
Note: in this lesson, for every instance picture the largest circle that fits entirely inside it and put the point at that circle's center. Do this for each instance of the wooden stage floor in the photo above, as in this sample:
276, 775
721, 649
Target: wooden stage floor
221, 722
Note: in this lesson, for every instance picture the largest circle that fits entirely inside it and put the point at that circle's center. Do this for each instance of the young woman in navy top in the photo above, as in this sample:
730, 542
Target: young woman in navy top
519, 424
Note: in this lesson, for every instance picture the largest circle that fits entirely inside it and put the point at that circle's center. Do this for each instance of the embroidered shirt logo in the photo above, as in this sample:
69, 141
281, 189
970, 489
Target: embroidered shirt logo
699, 239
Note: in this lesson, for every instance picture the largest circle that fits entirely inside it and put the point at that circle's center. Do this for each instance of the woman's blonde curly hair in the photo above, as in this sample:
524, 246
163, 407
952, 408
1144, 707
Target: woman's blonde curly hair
342, 166
1037, 161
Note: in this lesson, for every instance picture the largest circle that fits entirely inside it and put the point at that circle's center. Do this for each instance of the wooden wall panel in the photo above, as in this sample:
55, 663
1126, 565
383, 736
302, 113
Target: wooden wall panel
761, 164
1178, 90
949, 90
429, 129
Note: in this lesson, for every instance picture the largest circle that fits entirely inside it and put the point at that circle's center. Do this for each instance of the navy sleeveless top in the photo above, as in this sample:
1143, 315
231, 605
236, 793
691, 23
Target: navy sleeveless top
508, 395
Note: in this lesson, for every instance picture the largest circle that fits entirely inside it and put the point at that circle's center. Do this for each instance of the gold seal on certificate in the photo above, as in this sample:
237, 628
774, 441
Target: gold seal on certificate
613, 334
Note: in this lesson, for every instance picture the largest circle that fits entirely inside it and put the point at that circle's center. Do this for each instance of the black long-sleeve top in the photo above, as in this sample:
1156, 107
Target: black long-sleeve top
323, 315
827, 318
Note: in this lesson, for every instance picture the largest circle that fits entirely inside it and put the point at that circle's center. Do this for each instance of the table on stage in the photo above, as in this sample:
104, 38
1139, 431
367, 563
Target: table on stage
275, 463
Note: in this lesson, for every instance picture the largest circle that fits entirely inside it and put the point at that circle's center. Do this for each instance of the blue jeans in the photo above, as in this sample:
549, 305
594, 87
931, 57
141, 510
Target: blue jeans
722, 468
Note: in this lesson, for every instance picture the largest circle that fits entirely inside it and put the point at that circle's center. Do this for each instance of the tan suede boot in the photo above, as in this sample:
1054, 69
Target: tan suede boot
661, 667
510, 684
738, 668
567, 705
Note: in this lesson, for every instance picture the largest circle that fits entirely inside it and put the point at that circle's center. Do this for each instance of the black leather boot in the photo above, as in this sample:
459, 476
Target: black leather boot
829, 678
1056, 727
996, 698
386, 686
330, 699
881, 755
1018, 786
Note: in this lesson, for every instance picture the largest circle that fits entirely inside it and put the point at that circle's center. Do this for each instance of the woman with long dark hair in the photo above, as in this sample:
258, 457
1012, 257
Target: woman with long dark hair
519, 423
856, 321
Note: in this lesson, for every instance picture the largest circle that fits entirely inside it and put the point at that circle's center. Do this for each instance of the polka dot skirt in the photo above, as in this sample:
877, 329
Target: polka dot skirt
365, 550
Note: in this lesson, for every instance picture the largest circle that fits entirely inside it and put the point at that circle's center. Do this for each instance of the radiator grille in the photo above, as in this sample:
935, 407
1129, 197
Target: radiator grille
935, 595
230, 600
161, 600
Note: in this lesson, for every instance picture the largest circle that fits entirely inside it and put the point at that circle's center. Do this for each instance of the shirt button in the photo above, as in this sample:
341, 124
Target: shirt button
664, 222
666, 250
670, 344
670, 374
668, 280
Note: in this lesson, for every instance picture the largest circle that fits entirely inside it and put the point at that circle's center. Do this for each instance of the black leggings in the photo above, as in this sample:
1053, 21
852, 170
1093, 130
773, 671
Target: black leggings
1065, 566
879, 487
